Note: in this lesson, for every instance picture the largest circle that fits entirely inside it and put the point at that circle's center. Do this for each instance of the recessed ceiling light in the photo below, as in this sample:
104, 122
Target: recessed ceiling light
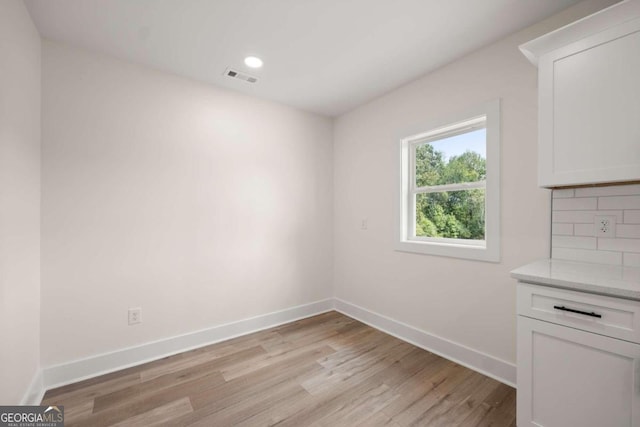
253, 62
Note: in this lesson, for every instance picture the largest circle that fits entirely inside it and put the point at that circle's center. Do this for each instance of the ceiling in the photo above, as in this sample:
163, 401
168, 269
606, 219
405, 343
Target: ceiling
323, 56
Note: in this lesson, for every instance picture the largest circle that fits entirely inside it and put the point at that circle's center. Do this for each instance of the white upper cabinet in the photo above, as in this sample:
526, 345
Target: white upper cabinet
589, 99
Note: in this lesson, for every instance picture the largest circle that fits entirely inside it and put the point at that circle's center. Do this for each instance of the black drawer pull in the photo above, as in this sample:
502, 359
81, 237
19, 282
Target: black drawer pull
563, 308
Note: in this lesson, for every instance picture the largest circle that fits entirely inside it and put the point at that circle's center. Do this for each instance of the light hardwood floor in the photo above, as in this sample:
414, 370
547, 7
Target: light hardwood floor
327, 370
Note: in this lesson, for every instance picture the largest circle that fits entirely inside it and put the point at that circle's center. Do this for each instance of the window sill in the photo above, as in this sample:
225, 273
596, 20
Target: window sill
452, 250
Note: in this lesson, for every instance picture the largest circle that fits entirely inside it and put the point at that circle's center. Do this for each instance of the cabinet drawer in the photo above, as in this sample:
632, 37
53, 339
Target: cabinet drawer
618, 318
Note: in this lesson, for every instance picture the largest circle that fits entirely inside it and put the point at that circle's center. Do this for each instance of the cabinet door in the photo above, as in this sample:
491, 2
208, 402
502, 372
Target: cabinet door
568, 377
589, 109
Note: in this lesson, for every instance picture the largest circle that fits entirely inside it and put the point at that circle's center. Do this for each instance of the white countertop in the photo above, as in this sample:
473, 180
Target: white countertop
617, 281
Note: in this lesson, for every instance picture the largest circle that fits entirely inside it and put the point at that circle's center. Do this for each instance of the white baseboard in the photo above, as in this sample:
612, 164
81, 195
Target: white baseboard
71, 372
490, 366
67, 373
36, 390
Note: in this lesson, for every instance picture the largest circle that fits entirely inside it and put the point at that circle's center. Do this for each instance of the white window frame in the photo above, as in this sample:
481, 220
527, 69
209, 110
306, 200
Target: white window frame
486, 115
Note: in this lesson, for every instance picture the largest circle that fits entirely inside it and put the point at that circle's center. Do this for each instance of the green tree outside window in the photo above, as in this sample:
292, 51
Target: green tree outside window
450, 214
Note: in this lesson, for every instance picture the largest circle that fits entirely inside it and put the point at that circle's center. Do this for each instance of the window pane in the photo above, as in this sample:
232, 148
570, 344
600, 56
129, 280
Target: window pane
452, 160
451, 214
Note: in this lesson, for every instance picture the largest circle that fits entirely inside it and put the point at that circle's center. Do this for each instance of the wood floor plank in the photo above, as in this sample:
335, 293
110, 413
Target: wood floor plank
142, 390
445, 410
78, 411
405, 369
261, 381
277, 412
179, 364
107, 384
441, 387
137, 406
377, 419
359, 408
504, 411
314, 333
317, 407
224, 404
326, 370
325, 320
245, 409
419, 386
268, 359
162, 415
210, 368
331, 399
355, 368
494, 400
470, 396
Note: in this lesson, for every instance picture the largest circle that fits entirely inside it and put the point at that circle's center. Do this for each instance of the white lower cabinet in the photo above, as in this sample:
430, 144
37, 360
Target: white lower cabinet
569, 377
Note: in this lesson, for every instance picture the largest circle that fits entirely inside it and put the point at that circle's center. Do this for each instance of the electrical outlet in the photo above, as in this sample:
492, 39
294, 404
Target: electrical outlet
135, 316
364, 224
605, 226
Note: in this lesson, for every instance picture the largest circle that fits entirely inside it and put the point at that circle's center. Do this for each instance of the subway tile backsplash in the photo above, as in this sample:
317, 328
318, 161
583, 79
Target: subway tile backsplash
573, 233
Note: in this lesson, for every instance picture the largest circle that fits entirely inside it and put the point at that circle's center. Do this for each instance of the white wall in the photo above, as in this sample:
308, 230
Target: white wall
200, 205
471, 303
19, 201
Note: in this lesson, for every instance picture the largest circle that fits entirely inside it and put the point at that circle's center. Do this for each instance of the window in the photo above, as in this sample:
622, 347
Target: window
450, 187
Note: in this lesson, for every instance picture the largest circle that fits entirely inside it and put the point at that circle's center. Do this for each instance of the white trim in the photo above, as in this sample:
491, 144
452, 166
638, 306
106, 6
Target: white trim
35, 392
488, 365
59, 375
78, 370
613, 15
405, 208
449, 130
450, 187
462, 243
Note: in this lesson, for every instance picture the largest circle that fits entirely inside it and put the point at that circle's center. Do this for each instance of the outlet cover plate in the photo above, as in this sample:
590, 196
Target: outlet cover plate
135, 316
604, 226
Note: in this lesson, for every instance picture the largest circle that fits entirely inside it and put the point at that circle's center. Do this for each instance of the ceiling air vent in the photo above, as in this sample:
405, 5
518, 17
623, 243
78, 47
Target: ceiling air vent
230, 72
